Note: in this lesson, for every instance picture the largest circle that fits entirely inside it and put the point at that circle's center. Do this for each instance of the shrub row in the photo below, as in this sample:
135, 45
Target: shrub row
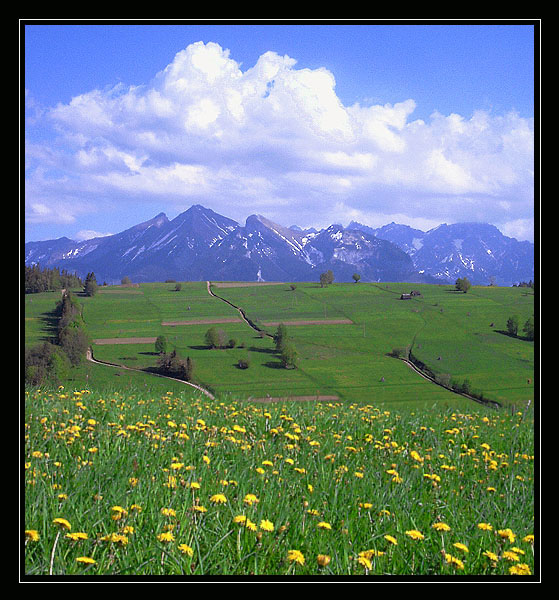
50, 362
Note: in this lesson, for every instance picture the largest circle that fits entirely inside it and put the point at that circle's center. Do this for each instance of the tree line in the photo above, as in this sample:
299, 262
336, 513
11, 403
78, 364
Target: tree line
513, 326
37, 279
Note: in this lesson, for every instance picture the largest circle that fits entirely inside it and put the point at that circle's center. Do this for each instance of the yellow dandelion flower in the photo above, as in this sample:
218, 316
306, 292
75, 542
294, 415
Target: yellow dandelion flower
85, 560
529, 539
32, 535
365, 562
452, 560
507, 534
168, 512
460, 546
520, 569
166, 537
116, 538
266, 525
485, 526
62, 523
415, 455
391, 539
240, 519
250, 525
76, 536
414, 534
491, 556
324, 525
250, 499
323, 560
118, 513
441, 526
185, 549
295, 556
218, 499
510, 555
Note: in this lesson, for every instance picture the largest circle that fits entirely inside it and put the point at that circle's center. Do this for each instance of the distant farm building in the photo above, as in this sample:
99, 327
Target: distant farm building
411, 295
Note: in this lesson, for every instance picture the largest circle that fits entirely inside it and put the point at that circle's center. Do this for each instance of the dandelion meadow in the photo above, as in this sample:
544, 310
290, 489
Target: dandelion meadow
134, 483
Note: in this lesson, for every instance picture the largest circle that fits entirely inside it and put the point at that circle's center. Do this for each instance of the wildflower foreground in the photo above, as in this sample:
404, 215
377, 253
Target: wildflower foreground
138, 485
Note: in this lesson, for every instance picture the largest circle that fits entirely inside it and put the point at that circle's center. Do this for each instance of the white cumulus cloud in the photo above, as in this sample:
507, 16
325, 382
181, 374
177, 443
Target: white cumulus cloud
277, 136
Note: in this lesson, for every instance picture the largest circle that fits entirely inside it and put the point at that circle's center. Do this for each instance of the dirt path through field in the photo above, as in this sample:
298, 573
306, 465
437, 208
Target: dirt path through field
241, 312
89, 356
420, 372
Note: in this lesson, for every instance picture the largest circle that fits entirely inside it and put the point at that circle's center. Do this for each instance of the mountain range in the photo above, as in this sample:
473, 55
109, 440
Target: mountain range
199, 244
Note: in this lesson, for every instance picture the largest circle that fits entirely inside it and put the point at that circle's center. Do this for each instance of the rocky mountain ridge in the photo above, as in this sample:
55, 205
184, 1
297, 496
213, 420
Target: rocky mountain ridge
201, 244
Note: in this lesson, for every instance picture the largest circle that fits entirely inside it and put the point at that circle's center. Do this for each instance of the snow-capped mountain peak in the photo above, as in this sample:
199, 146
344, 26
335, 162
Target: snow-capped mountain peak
201, 244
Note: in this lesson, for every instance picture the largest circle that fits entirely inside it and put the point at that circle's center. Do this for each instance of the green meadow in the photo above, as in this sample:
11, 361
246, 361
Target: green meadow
458, 336
385, 473
133, 483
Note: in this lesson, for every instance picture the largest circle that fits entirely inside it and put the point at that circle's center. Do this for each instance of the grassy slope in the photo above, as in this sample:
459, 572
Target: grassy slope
449, 331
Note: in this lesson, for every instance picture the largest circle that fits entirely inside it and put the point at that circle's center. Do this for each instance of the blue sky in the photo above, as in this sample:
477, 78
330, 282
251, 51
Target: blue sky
309, 124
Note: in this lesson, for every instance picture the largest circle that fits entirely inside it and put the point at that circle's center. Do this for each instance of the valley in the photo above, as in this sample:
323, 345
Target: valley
344, 335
